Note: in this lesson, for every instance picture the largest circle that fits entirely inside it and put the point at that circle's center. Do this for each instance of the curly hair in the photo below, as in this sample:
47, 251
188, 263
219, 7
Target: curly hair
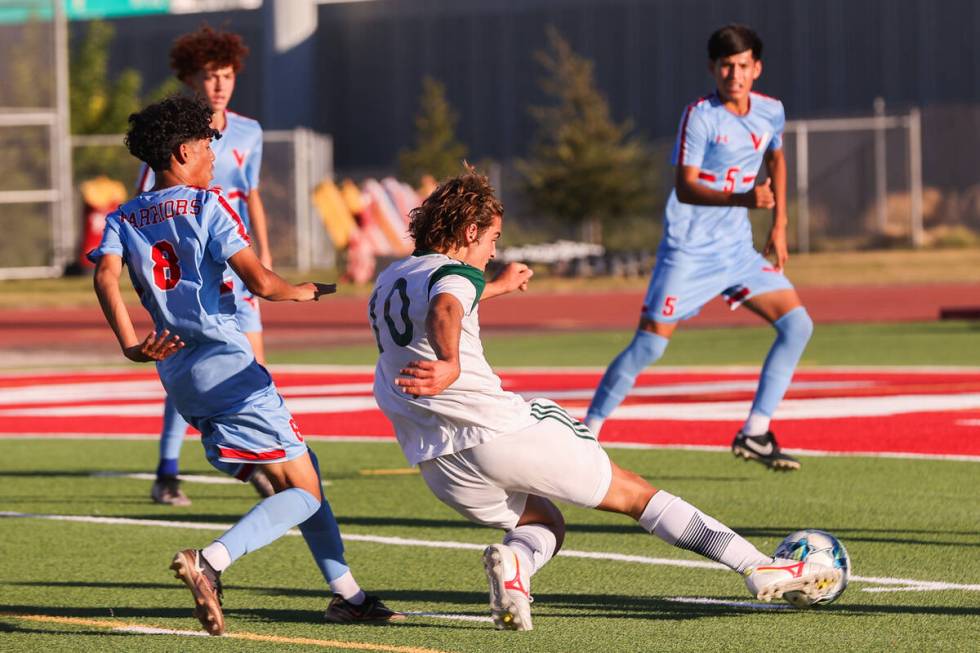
156, 131
439, 224
206, 47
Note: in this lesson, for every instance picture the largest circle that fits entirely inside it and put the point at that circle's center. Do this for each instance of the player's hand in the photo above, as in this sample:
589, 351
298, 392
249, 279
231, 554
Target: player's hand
156, 347
760, 197
776, 249
514, 276
311, 290
427, 378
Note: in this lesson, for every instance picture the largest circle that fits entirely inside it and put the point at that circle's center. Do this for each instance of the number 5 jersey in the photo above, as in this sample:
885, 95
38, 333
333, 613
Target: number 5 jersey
176, 243
475, 408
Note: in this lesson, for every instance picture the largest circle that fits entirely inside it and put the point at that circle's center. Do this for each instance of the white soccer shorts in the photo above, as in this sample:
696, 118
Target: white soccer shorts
557, 458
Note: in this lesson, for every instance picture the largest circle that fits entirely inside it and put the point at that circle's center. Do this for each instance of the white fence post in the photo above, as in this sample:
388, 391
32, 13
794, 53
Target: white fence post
881, 169
915, 175
802, 189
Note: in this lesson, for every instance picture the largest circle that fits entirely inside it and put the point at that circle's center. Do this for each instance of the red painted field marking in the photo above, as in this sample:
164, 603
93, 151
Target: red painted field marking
933, 412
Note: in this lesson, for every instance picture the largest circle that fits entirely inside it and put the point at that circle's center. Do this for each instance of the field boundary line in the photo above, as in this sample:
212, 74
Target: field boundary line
138, 629
895, 584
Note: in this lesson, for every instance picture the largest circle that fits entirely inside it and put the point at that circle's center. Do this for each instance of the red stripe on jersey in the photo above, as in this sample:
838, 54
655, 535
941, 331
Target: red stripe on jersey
238, 454
226, 287
690, 109
768, 97
143, 177
749, 179
236, 218
236, 194
706, 176
737, 297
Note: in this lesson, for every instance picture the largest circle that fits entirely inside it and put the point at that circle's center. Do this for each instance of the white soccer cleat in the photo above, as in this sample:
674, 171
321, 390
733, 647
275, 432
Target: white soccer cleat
510, 600
768, 582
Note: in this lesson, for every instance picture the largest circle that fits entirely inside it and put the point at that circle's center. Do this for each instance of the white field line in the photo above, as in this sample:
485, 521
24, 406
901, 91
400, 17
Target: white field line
379, 439
897, 584
731, 604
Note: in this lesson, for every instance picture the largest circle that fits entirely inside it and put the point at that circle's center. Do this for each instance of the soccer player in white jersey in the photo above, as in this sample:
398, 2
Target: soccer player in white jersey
497, 459
208, 63
707, 250
177, 240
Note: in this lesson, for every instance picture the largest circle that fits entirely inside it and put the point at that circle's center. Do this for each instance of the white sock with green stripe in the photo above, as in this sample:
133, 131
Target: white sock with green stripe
677, 522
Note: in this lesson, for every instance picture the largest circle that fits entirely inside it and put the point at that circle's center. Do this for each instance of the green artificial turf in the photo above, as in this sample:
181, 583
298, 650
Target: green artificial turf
906, 519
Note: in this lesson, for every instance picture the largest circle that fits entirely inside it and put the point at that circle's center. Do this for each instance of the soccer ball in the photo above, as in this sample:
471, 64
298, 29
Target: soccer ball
820, 547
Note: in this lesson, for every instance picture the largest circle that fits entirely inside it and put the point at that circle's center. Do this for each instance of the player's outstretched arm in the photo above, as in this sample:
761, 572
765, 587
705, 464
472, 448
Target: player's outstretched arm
268, 285
691, 191
443, 326
154, 347
514, 276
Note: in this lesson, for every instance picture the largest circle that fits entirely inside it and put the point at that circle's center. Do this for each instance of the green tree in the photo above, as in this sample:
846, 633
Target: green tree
100, 104
437, 152
583, 167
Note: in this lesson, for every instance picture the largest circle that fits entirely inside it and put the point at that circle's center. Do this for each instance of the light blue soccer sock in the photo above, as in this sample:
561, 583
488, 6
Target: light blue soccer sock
268, 521
322, 535
171, 439
793, 331
645, 349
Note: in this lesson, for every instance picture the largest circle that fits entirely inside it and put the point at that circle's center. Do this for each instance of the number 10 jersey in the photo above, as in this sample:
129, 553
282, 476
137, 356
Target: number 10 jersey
475, 408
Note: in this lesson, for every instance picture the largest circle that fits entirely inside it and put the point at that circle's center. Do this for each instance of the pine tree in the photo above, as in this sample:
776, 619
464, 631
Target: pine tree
583, 167
437, 152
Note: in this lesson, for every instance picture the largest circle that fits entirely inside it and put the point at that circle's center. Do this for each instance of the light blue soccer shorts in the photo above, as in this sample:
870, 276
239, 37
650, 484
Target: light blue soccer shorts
258, 432
683, 282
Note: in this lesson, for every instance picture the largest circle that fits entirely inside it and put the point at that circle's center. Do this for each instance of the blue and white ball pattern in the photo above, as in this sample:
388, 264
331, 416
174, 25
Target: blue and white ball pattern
812, 545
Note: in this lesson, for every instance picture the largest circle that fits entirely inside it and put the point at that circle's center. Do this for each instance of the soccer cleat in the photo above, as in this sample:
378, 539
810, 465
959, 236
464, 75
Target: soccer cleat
342, 611
205, 584
764, 449
166, 491
510, 601
262, 484
772, 581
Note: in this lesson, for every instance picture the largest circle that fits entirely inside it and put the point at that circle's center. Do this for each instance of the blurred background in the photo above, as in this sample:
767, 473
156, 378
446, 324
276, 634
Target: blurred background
571, 106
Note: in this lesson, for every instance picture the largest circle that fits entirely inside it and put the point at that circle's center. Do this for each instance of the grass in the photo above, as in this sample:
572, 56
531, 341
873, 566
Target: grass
118, 573
887, 267
925, 343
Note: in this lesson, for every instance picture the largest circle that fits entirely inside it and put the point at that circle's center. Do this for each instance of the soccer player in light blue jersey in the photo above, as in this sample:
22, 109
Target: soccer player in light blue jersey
178, 240
208, 62
707, 248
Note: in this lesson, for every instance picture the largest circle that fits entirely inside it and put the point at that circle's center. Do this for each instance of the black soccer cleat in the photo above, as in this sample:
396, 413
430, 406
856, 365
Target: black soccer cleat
763, 448
342, 611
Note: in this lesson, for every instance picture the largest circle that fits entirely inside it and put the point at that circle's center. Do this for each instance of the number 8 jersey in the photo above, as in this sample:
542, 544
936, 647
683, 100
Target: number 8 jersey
475, 408
176, 243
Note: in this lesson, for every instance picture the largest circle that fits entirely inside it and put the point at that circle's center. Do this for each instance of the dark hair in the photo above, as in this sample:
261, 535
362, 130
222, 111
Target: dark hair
206, 47
439, 224
156, 131
732, 39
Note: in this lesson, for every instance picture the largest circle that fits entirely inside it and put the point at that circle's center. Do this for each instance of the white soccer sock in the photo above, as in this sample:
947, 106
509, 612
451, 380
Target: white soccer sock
756, 424
217, 556
534, 545
348, 588
677, 522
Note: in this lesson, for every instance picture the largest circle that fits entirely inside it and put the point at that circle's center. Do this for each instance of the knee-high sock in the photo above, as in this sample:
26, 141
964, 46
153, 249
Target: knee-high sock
268, 521
677, 522
171, 439
322, 536
793, 331
645, 349
534, 545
